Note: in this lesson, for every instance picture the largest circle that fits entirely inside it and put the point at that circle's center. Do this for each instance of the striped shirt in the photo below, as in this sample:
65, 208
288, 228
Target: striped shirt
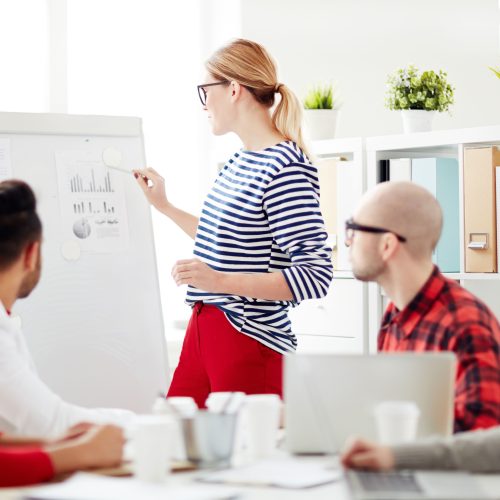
262, 215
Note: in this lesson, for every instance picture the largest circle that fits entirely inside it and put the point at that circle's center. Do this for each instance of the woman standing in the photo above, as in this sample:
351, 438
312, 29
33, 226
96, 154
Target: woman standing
260, 240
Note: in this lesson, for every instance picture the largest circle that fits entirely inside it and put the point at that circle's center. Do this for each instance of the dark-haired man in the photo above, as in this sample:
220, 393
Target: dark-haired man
27, 405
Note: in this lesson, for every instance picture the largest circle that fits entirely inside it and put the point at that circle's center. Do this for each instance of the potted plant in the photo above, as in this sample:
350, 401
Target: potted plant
496, 71
418, 96
321, 112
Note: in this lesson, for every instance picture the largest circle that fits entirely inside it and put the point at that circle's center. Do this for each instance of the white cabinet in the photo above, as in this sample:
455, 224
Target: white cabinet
336, 323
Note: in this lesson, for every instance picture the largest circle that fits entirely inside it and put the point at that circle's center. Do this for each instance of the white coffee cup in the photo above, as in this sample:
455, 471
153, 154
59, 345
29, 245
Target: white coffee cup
163, 407
396, 421
151, 437
228, 402
184, 406
261, 415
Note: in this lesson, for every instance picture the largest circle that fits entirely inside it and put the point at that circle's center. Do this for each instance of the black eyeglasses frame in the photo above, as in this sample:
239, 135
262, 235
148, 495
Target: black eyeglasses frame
351, 226
202, 93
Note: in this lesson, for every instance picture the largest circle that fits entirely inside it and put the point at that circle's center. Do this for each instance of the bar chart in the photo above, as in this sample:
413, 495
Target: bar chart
93, 207
89, 181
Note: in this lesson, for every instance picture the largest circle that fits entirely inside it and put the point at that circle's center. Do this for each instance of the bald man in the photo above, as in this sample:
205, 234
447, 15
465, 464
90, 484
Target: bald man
391, 237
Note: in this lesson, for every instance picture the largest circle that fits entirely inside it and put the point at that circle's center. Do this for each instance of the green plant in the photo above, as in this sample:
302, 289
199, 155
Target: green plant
408, 89
320, 97
496, 71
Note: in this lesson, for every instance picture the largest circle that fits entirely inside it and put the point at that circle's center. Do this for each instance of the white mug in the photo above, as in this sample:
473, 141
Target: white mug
151, 437
261, 415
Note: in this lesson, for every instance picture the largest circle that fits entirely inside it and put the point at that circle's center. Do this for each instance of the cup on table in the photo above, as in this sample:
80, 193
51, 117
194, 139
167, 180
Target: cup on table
184, 406
227, 402
176, 408
261, 415
151, 437
396, 421
209, 438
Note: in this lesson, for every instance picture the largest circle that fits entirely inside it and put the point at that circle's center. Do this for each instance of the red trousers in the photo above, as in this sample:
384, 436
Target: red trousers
216, 357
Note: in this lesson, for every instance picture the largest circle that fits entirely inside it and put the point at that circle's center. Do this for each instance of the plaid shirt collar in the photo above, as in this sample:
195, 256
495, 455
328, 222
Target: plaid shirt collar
410, 316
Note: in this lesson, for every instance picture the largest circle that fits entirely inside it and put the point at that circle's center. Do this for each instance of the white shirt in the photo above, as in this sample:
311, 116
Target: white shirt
27, 405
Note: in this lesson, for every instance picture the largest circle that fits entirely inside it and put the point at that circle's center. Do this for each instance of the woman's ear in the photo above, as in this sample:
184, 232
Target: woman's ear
235, 90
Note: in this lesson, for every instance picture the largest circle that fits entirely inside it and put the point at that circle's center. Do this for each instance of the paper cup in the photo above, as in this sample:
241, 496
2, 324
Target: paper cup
396, 421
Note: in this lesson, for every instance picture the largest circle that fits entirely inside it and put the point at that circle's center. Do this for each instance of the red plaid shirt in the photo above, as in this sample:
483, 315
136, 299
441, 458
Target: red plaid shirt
443, 316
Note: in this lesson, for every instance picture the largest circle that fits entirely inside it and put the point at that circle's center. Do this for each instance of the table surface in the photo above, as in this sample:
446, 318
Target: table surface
334, 491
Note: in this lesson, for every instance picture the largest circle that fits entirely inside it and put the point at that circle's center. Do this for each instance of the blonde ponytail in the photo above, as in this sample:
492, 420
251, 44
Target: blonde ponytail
249, 64
287, 117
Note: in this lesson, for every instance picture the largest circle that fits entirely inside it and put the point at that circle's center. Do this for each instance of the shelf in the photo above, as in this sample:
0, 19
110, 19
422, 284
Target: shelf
436, 140
337, 146
473, 276
343, 275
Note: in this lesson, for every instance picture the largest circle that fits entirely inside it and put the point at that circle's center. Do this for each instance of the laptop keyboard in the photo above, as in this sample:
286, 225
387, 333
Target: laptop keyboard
394, 482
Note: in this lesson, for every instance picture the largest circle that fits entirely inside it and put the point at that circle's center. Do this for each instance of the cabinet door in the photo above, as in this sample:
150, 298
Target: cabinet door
340, 315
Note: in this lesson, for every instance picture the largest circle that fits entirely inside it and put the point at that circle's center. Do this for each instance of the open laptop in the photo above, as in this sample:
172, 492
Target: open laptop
413, 485
331, 397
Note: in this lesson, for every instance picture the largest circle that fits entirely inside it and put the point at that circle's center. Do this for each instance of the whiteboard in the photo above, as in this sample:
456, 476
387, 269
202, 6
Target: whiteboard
94, 324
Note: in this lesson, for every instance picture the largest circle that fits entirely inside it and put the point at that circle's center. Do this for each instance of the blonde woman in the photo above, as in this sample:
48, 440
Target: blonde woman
259, 244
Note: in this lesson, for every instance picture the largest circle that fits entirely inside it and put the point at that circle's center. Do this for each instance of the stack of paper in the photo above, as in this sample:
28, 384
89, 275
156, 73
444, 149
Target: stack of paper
285, 473
85, 486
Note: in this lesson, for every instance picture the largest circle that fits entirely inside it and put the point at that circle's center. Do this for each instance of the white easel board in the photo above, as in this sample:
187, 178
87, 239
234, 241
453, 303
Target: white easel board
94, 324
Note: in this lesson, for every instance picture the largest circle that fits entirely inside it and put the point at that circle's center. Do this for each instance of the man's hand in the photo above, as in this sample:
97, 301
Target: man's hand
361, 454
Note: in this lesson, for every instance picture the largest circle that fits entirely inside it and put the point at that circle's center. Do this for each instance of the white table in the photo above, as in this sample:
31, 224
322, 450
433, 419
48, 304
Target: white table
332, 491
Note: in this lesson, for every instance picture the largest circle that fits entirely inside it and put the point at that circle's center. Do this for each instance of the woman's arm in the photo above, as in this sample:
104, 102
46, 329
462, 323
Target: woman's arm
98, 447
153, 186
266, 286
20, 441
298, 228
476, 451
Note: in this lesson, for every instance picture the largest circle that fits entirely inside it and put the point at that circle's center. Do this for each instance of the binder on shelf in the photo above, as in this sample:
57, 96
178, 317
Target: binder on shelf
497, 193
480, 237
349, 192
383, 171
440, 177
400, 169
327, 174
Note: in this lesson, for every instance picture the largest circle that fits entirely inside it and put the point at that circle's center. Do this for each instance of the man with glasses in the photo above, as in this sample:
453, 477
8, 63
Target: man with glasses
391, 238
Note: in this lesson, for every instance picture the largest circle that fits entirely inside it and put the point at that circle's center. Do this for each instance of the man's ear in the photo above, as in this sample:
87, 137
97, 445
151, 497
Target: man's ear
31, 255
389, 245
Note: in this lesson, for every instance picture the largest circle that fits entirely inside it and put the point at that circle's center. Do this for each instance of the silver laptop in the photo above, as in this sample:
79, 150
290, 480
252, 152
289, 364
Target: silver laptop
413, 485
331, 397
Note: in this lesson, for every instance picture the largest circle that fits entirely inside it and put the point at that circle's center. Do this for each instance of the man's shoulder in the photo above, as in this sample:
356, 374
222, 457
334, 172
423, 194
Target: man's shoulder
466, 312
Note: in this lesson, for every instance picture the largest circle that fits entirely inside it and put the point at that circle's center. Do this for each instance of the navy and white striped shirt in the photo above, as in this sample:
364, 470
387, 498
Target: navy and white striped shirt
262, 215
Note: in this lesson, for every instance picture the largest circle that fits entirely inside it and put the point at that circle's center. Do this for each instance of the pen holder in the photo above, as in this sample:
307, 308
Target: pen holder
209, 438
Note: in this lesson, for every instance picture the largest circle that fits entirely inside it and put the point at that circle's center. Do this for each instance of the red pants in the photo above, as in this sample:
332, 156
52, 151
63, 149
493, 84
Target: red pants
216, 357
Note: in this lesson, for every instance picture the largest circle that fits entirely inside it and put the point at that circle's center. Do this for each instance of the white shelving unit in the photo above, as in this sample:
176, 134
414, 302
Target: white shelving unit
337, 323
448, 143
347, 320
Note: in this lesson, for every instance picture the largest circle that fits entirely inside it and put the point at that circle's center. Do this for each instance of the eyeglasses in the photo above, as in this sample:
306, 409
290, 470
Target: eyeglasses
351, 226
202, 93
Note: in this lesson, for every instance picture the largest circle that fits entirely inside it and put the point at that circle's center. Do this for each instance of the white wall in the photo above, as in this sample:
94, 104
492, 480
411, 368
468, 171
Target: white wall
358, 42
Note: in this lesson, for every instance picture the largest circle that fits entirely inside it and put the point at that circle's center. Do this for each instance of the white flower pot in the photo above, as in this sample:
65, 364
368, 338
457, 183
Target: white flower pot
321, 123
417, 120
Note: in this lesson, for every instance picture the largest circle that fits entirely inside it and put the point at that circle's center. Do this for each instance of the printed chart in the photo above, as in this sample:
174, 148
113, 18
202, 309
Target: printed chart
92, 202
